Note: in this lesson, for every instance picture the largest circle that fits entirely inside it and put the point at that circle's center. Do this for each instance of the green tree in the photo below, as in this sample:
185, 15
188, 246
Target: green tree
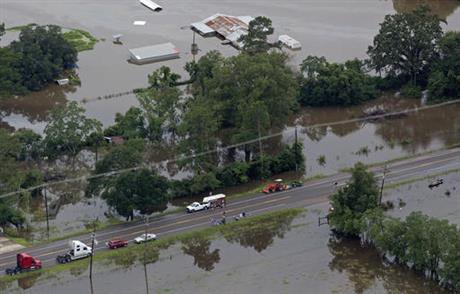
255, 41
11, 80
130, 125
68, 130
444, 81
141, 190
2, 30
31, 144
198, 130
128, 155
44, 55
202, 71
349, 203
406, 44
324, 84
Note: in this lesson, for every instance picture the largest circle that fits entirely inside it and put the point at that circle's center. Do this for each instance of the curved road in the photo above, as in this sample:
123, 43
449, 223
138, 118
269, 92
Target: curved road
312, 193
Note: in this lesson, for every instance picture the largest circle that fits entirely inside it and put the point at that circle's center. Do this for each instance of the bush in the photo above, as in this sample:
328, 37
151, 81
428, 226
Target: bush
239, 172
411, 91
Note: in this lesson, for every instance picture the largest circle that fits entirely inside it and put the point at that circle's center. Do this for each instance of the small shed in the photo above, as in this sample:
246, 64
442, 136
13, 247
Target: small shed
289, 42
154, 53
151, 5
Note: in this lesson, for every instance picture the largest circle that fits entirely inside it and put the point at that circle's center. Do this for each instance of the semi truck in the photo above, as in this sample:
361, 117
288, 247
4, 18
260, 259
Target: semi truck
24, 263
78, 250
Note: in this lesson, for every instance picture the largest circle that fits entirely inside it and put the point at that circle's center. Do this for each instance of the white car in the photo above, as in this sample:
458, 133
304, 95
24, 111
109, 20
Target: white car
196, 206
144, 238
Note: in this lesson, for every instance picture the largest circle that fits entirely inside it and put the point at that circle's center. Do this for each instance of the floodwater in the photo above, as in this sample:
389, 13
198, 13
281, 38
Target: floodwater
339, 30
290, 257
440, 202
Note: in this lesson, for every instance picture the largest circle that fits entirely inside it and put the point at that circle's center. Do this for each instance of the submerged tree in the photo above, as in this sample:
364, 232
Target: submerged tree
256, 40
68, 130
352, 201
406, 44
444, 81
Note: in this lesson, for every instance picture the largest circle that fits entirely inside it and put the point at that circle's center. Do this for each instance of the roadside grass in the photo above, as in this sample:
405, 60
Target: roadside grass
149, 252
418, 179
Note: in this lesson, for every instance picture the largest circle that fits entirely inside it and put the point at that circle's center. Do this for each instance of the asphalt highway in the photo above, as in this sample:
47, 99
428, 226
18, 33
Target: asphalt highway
313, 192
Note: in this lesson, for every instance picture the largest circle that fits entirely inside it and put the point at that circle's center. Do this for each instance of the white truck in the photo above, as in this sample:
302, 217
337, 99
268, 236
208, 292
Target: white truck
212, 201
77, 250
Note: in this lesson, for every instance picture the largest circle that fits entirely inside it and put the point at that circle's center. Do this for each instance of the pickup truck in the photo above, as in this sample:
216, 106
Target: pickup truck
196, 206
117, 243
77, 250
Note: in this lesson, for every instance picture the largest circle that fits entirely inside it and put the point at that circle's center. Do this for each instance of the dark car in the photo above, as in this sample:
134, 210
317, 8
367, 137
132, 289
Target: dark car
117, 243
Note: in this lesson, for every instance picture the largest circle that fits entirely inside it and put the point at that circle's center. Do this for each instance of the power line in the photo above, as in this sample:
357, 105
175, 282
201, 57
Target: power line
219, 149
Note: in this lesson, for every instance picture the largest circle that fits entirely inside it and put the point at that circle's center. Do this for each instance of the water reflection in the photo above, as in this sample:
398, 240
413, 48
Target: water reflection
365, 269
259, 235
28, 281
442, 8
35, 106
419, 129
198, 248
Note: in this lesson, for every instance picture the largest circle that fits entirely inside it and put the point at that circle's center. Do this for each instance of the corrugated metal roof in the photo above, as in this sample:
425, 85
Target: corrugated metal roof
153, 51
202, 28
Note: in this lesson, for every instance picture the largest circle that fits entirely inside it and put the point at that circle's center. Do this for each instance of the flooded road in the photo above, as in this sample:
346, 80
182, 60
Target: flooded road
291, 256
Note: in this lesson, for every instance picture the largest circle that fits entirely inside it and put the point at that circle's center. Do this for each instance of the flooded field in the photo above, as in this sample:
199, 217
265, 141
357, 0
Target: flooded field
291, 257
441, 202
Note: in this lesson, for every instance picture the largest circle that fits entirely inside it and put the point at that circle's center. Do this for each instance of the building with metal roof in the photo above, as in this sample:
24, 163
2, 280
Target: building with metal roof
227, 27
154, 53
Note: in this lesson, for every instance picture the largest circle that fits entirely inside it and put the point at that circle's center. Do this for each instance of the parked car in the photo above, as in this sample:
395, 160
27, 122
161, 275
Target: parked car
145, 238
116, 243
295, 184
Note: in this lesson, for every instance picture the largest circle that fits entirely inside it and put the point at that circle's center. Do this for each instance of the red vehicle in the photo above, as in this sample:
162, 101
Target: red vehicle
117, 243
25, 263
276, 186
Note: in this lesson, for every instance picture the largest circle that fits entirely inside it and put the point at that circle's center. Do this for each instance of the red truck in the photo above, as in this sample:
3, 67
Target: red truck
25, 263
117, 243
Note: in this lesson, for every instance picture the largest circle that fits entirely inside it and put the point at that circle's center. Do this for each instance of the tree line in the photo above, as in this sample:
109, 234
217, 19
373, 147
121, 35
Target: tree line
427, 245
38, 57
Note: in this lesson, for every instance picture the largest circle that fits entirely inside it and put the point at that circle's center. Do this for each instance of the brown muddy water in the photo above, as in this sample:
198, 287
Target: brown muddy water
338, 30
297, 257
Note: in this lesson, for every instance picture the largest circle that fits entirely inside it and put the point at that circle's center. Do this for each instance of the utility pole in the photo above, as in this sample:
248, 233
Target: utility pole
145, 252
295, 149
93, 238
383, 183
47, 215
